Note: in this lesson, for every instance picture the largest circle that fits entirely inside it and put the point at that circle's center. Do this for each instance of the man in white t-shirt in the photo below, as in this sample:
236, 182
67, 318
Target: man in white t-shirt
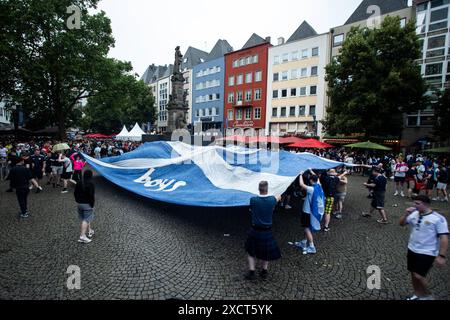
427, 245
400, 170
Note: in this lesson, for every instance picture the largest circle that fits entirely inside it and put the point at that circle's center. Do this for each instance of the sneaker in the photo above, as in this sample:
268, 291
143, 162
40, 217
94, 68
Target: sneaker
310, 250
366, 215
64, 190
263, 274
250, 275
91, 233
435, 199
427, 298
25, 215
402, 194
301, 244
326, 229
30, 187
396, 193
414, 297
382, 221
84, 240
287, 207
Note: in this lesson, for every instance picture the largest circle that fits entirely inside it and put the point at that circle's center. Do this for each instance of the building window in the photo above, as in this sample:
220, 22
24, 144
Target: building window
257, 94
231, 97
403, 23
438, 15
292, 112
435, 68
230, 115
294, 74
315, 52
248, 60
338, 40
303, 91
283, 112
231, 81
294, 56
248, 114
240, 79
436, 42
255, 59
249, 77
257, 113
293, 92
275, 112
238, 114
248, 95
275, 94
438, 3
312, 110
239, 96
314, 71
304, 53
302, 110
258, 76
284, 75
242, 62
235, 63
214, 112
198, 113
206, 112
285, 57
313, 90
275, 77
304, 72
437, 26
217, 96
276, 60
284, 93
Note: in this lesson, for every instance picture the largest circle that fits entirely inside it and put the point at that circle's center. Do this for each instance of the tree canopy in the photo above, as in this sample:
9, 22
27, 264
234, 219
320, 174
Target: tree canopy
375, 80
442, 114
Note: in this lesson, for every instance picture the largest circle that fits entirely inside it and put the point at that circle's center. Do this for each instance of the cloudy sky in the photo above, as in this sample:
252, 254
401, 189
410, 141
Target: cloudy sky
147, 31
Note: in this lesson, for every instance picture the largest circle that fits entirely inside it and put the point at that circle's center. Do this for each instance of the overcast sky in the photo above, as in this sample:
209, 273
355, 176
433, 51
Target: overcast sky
147, 31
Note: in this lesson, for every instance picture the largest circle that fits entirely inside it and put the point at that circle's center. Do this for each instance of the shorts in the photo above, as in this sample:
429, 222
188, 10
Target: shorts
85, 212
430, 185
57, 170
37, 174
329, 205
306, 220
399, 179
378, 200
66, 175
419, 263
340, 197
441, 186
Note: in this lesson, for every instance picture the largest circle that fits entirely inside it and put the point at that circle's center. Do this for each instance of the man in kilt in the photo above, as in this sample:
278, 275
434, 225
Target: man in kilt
261, 244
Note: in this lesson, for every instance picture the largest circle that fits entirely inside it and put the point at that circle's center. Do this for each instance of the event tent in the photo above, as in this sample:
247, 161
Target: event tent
136, 133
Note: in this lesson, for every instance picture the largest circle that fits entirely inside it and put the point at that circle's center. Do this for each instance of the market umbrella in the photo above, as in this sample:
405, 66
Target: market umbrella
439, 150
291, 140
264, 139
311, 143
368, 145
60, 147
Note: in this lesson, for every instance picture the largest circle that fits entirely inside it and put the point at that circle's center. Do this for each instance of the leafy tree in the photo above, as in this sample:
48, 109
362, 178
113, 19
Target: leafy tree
124, 101
47, 68
375, 80
442, 114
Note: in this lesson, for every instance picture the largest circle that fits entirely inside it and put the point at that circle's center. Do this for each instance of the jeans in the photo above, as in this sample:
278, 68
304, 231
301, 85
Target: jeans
22, 194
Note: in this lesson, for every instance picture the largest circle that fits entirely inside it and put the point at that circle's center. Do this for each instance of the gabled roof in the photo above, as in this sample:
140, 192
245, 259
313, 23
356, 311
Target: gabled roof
153, 73
386, 6
193, 57
220, 49
253, 41
303, 32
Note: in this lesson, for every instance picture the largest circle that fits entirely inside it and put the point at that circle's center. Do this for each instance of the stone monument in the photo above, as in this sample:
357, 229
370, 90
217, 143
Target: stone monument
177, 107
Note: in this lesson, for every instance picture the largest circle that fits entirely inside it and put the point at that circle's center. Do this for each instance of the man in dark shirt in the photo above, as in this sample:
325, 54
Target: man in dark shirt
260, 242
37, 165
379, 193
20, 177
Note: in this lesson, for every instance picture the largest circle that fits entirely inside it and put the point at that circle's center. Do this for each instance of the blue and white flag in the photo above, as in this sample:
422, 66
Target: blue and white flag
212, 176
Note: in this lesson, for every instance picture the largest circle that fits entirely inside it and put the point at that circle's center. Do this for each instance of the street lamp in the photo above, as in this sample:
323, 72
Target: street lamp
315, 125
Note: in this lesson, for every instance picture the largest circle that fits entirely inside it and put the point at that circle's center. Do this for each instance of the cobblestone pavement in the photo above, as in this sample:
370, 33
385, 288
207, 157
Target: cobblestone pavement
148, 250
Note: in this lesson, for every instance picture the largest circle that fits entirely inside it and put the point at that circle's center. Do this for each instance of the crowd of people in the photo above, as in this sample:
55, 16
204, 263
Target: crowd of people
321, 196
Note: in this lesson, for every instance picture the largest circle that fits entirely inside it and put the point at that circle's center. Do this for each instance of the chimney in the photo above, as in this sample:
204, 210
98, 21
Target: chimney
268, 39
280, 40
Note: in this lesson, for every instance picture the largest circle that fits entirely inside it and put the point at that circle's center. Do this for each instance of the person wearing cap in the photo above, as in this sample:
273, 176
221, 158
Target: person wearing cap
379, 193
427, 246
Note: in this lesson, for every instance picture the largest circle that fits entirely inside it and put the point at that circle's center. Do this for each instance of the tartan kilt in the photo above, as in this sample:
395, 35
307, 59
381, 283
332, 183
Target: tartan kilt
261, 245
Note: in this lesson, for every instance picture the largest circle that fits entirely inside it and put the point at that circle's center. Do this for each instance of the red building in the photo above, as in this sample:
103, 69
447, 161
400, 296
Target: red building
246, 87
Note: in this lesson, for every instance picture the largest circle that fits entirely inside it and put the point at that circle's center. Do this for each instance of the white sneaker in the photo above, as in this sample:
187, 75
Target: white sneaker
84, 240
428, 298
402, 194
91, 233
396, 193
435, 199
287, 207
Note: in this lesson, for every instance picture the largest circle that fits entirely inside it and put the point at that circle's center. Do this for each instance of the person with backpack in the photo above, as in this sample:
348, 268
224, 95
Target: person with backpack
329, 181
85, 197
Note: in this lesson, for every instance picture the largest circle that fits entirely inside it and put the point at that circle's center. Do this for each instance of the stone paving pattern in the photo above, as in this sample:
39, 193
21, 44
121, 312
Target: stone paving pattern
149, 250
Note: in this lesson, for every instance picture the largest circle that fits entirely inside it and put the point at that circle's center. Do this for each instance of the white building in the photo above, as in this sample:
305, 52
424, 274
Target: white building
296, 91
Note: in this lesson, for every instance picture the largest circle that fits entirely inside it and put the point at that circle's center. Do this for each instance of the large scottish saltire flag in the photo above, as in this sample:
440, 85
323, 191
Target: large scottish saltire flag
212, 176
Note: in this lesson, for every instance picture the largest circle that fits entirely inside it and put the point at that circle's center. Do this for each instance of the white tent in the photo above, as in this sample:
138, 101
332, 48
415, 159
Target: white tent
136, 133
123, 135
